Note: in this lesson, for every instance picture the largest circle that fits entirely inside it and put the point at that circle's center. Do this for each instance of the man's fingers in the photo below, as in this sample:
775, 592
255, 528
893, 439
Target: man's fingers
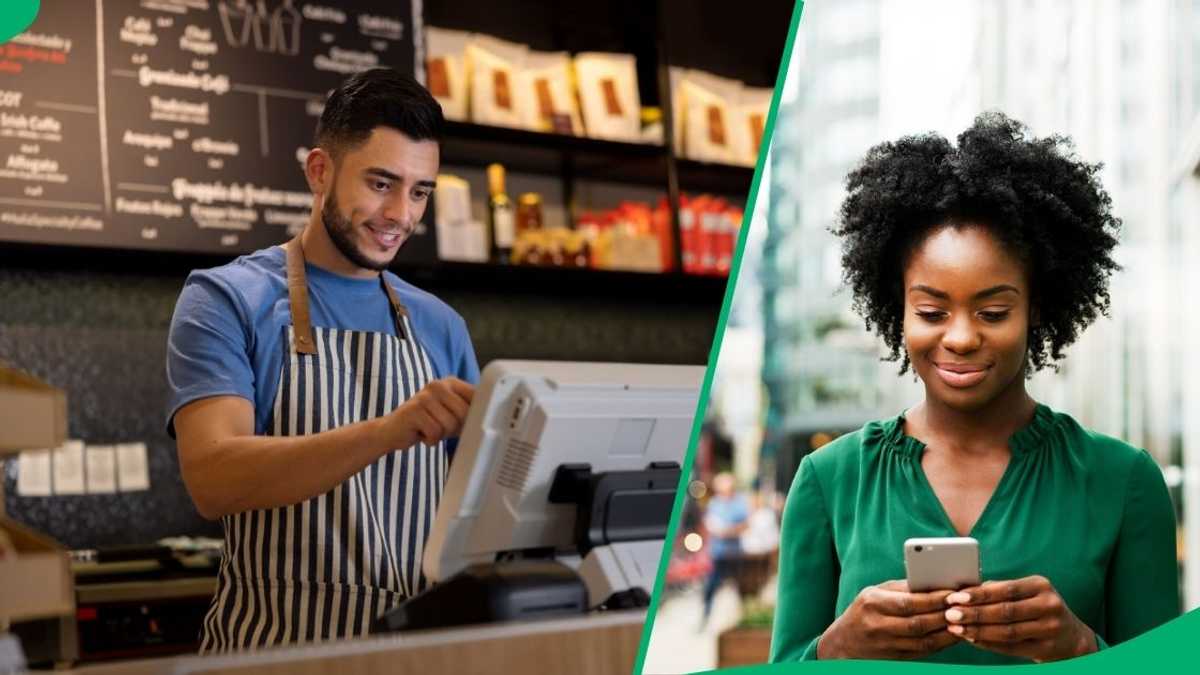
998, 613
454, 393
463, 389
446, 403
997, 591
428, 426
455, 403
449, 422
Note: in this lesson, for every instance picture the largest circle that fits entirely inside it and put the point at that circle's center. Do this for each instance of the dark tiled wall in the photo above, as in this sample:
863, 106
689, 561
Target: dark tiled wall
99, 331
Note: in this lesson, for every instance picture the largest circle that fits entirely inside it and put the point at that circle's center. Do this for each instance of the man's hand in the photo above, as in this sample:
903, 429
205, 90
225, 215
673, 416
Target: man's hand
432, 414
888, 622
1025, 618
228, 469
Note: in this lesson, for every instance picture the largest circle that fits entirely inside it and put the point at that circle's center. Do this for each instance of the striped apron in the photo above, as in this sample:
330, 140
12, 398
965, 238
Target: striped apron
324, 568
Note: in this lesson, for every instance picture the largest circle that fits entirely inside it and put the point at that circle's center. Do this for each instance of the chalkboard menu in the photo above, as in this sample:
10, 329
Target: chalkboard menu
178, 124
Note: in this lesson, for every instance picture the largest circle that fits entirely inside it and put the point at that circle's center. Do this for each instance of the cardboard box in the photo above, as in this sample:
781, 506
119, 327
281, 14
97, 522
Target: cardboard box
35, 572
36, 582
32, 413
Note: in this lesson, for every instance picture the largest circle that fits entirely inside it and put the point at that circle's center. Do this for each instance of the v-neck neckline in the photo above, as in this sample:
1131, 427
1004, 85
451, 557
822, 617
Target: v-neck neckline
941, 507
1021, 444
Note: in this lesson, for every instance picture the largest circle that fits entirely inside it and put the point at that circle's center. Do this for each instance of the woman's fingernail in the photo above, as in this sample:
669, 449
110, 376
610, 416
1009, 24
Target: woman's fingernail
958, 598
954, 615
957, 630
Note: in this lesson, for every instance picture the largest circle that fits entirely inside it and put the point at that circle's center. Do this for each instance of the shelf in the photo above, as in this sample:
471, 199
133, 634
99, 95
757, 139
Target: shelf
470, 144
561, 142
725, 180
674, 288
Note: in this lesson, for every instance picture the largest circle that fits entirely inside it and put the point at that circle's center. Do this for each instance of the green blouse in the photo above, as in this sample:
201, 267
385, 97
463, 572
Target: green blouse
1087, 511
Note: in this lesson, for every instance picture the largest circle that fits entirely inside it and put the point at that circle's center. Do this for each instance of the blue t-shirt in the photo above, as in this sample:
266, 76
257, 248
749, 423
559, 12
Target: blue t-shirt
227, 334
722, 513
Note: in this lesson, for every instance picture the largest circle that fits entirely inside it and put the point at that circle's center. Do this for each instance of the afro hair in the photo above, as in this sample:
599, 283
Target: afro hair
1035, 195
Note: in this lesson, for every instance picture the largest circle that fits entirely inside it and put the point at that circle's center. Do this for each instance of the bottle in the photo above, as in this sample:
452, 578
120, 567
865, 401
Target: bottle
529, 212
500, 215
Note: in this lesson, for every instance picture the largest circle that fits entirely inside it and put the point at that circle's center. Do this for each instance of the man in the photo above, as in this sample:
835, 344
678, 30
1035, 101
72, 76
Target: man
725, 518
315, 396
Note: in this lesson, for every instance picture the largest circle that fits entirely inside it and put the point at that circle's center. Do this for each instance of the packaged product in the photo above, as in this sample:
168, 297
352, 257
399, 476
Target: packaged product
608, 93
446, 70
708, 102
459, 236
750, 121
494, 67
547, 95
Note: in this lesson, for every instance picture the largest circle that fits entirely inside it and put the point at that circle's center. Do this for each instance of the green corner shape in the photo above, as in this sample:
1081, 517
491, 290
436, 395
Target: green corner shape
16, 16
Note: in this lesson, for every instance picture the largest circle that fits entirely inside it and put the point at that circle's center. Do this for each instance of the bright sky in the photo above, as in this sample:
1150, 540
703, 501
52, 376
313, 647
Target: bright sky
926, 49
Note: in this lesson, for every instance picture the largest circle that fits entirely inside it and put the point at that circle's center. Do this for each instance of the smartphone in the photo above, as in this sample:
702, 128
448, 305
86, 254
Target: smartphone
941, 563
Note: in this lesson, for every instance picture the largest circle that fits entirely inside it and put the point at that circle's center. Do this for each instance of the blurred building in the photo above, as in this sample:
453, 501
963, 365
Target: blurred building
735, 402
819, 367
1183, 245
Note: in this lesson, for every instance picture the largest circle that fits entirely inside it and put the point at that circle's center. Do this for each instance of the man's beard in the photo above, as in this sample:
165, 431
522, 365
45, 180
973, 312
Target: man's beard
341, 231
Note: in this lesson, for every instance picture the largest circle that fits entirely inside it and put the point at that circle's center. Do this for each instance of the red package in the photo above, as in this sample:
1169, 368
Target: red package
709, 232
688, 233
662, 229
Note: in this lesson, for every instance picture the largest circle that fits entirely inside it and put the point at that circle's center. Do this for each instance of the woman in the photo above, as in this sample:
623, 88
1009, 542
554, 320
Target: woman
977, 265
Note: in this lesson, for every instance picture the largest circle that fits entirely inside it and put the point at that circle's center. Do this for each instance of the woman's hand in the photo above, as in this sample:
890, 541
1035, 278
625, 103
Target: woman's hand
1025, 618
888, 622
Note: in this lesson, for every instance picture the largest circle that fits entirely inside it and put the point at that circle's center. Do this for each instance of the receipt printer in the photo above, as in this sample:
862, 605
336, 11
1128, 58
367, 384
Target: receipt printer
514, 590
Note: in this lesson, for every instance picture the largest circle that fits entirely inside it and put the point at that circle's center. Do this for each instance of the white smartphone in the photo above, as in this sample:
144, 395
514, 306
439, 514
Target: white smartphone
940, 563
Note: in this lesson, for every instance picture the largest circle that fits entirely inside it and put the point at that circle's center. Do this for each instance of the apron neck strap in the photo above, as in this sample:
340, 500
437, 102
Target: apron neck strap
398, 308
298, 300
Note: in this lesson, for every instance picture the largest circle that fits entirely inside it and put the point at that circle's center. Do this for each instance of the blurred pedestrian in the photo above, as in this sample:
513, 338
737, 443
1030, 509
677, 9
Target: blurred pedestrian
762, 526
725, 518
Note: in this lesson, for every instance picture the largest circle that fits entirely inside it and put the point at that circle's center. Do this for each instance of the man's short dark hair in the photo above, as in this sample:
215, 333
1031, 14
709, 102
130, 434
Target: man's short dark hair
373, 98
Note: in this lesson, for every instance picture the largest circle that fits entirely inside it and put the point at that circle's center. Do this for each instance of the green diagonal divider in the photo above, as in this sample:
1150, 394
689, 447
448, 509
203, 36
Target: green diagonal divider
718, 335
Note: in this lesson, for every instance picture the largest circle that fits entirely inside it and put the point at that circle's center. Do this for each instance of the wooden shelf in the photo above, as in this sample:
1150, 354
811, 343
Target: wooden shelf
726, 180
569, 158
455, 131
469, 144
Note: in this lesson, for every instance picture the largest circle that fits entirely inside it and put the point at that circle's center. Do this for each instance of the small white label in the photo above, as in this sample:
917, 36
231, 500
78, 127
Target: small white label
68, 469
133, 472
101, 469
503, 219
33, 474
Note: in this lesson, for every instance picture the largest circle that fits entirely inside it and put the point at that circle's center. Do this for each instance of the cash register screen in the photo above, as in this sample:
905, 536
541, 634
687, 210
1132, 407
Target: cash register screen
529, 417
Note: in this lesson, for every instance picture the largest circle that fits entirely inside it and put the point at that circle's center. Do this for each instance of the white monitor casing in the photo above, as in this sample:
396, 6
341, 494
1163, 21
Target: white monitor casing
530, 417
